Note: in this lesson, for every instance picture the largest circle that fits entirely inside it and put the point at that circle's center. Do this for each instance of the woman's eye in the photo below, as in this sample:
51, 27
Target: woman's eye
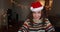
39, 12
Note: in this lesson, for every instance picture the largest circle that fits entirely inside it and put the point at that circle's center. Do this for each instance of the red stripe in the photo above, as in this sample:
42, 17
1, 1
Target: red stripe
26, 24
48, 26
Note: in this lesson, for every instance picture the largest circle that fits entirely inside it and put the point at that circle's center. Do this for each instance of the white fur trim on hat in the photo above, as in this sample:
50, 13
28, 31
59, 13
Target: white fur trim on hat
36, 9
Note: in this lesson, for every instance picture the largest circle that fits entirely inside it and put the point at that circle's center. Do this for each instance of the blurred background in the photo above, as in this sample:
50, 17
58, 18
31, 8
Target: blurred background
13, 13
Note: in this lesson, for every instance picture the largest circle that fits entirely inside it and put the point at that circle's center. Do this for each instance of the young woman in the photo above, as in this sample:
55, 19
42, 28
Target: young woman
37, 21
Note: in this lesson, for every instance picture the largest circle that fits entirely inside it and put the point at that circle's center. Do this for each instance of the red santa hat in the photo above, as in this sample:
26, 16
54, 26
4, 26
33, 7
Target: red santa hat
36, 6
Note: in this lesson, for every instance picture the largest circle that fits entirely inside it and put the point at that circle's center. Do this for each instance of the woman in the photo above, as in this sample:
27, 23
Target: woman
37, 22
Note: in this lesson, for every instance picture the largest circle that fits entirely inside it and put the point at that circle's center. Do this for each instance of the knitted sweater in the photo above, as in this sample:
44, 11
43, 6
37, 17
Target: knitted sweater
37, 26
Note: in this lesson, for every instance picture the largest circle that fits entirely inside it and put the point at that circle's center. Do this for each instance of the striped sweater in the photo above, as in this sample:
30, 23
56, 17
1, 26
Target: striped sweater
37, 27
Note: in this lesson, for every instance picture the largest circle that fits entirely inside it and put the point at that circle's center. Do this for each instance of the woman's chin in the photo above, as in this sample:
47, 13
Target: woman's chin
36, 18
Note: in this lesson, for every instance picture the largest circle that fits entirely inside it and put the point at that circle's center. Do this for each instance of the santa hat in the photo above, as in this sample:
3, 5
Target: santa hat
36, 6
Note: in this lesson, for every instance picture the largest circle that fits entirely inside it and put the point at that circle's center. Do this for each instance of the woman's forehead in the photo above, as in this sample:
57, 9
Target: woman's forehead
36, 11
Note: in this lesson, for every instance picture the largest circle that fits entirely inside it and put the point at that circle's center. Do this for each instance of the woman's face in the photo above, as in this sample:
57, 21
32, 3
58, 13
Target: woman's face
36, 15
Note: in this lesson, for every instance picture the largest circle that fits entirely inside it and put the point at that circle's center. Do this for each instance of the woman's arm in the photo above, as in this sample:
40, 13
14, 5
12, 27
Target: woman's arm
49, 26
24, 27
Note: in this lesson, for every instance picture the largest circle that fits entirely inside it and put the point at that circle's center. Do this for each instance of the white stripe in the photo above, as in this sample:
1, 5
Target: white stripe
51, 30
19, 31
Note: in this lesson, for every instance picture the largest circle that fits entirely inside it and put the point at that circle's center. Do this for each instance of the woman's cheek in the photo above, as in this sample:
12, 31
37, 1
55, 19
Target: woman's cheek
34, 15
39, 15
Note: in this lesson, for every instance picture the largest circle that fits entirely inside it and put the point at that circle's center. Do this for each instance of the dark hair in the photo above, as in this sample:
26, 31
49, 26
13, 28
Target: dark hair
43, 15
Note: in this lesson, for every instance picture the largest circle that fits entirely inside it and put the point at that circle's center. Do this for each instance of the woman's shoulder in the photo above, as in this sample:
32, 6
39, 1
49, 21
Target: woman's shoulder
27, 21
47, 20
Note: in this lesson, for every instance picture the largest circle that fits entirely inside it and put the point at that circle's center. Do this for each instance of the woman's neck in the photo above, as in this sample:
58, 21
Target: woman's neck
37, 20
